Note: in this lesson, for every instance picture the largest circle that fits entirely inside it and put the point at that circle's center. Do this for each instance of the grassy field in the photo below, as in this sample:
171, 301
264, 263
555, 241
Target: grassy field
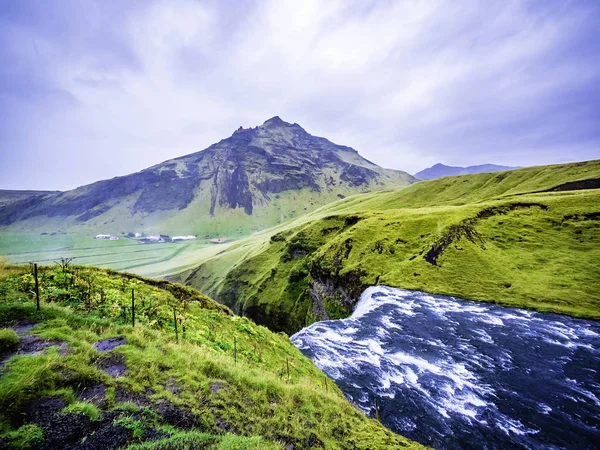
224, 383
501, 237
123, 254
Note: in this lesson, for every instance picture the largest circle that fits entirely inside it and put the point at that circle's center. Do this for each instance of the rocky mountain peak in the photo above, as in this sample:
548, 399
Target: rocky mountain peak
275, 122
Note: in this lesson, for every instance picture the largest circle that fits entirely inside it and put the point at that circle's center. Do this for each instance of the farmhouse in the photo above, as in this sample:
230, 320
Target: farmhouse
182, 238
155, 239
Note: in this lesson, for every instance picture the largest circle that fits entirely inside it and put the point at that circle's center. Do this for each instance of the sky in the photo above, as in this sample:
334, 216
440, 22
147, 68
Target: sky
91, 89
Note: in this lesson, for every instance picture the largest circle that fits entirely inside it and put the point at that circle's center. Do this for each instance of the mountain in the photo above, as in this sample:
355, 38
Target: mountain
513, 238
441, 170
8, 196
254, 179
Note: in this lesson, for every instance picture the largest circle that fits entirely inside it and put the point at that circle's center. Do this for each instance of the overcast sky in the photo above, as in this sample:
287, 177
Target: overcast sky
95, 89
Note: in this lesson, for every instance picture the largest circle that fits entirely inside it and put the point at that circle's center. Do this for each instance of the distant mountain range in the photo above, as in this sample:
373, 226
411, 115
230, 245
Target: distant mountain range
254, 179
441, 170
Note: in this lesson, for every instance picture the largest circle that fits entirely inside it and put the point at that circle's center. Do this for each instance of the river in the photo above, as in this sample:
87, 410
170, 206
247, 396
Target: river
457, 374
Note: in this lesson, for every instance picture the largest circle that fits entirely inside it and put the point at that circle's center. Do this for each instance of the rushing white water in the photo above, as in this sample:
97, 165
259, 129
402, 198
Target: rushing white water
457, 374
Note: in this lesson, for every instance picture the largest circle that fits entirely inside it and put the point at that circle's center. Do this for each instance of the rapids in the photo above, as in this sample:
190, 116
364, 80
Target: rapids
456, 374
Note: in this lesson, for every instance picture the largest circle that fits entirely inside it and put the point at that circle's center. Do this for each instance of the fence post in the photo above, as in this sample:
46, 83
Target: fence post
132, 308
175, 320
234, 351
37, 287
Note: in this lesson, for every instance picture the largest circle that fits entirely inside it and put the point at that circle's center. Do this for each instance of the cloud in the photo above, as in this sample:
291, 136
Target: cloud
100, 89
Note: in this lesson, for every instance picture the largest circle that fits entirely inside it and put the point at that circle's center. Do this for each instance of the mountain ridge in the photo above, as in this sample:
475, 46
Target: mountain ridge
441, 170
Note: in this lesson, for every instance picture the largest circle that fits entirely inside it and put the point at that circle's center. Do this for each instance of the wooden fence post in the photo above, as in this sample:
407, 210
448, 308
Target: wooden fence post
175, 320
37, 287
132, 308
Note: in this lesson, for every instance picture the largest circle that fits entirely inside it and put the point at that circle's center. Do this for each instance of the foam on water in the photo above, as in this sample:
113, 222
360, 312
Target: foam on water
456, 374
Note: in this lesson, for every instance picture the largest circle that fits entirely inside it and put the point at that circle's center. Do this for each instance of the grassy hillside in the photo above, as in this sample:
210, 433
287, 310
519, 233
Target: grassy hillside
8, 196
77, 374
527, 238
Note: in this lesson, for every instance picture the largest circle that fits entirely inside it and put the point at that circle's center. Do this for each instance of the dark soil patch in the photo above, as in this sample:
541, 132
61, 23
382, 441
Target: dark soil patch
175, 416
95, 394
113, 364
39, 409
108, 344
24, 327
592, 183
33, 345
64, 431
223, 425
172, 386
216, 387
154, 435
122, 396
77, 431
71, 431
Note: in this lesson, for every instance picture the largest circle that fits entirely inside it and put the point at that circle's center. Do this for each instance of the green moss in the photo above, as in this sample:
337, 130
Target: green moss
136, 426
194, 440
335, 310
23, 437
232, 442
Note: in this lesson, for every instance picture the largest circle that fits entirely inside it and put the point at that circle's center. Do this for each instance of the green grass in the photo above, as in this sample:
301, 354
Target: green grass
88, 409
8, 340
194, 440
123, 254
23, 437
252, 396
545, 256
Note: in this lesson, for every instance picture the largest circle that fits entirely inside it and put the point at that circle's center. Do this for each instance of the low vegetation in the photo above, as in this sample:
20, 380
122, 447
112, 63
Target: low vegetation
79, 374
526, 238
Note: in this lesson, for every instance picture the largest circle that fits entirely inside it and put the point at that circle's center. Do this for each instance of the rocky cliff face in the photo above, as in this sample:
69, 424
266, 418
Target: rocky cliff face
253, 171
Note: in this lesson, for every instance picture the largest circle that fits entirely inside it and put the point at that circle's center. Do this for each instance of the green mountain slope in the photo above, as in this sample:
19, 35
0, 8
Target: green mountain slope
8, 196
255, 179
77, 374
526, 238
